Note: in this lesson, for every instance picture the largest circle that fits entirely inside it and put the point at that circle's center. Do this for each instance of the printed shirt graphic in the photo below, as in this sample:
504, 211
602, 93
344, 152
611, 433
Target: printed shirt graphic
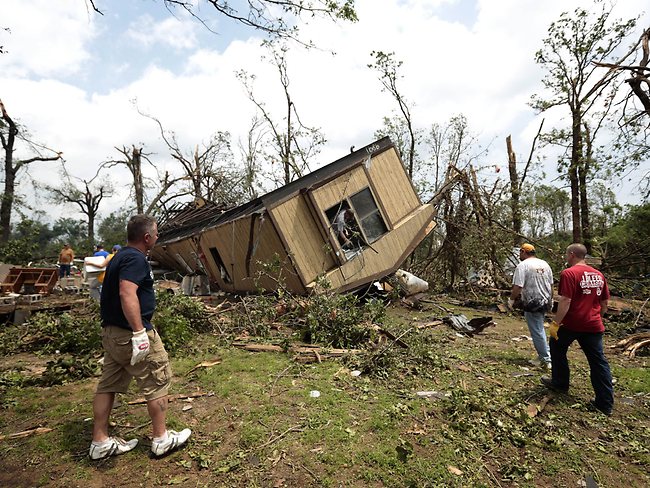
535, 277
586, 287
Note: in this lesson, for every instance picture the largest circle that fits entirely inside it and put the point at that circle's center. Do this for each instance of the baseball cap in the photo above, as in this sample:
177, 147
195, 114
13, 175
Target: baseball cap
527, 247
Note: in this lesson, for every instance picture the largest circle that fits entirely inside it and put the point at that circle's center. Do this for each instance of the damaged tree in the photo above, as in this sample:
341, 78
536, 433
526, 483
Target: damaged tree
87, 198
9, 131
574, 44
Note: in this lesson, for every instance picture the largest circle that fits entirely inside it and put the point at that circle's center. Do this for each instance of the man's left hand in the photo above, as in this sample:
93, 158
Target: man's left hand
552, 330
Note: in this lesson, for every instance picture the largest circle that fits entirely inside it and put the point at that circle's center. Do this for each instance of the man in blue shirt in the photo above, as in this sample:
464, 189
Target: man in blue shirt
132, 346
100, 251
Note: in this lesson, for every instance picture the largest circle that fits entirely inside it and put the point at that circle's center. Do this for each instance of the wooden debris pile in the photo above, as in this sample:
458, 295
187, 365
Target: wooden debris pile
631, 345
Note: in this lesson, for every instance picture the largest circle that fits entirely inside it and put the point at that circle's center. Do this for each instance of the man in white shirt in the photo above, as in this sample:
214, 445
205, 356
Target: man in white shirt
532, 282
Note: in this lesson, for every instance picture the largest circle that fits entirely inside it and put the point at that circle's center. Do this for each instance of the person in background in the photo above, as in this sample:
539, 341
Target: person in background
532, 282
100, 251
342, 223
582, 302
66, 256
95, 285
132, 346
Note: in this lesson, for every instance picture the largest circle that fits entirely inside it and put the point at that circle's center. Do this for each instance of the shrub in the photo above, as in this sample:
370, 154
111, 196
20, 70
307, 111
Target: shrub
178, 318
340, 320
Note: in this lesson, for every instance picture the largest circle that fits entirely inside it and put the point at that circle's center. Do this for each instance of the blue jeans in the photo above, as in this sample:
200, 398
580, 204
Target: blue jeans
592, 345
64, 270
535, 321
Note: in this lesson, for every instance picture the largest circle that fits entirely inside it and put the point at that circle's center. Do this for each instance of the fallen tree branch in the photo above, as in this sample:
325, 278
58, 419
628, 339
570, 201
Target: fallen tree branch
171, 398
26, 433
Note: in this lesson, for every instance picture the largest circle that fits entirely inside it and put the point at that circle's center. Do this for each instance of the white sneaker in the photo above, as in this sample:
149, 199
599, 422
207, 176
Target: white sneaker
111, 446
172, 441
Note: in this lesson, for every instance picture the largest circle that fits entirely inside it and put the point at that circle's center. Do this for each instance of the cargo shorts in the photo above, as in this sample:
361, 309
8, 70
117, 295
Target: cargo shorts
153, 374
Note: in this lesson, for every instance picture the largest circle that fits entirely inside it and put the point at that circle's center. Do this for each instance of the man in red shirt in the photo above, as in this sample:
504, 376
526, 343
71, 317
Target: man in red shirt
582, 302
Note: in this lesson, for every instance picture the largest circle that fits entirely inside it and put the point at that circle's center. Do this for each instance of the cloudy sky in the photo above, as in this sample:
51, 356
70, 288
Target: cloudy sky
74, 77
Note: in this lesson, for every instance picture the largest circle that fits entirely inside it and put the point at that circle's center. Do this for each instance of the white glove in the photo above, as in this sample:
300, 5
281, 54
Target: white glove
140, 346
511, 304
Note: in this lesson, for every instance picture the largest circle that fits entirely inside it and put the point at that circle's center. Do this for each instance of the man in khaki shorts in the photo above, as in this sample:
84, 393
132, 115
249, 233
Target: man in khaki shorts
132, 347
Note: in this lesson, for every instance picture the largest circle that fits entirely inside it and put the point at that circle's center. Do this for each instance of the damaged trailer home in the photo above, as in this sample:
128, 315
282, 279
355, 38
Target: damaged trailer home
297, 227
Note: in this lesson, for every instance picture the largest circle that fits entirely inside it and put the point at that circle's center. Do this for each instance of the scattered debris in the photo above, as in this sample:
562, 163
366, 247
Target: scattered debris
304, 353
469, 327
439, 395
426, 325
409, 283
454, 470
204, 364
41, 280
26, 433
414, 301
522, 338
171, 398
633, 343
533, 409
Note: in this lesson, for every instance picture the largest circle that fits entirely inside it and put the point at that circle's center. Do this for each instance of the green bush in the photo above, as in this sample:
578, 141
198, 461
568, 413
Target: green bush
178, 318
47, 332
340, 320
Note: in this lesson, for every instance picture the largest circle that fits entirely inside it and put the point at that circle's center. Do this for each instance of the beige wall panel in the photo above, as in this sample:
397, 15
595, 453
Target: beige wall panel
187, 252
390, 248
393, 186
333, 192
234, 256
303, 237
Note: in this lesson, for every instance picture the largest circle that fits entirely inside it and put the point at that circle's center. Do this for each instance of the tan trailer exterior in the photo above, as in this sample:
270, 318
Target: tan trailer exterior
287, 237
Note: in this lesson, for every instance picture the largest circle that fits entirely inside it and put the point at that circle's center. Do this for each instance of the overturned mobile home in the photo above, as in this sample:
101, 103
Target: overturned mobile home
297, 226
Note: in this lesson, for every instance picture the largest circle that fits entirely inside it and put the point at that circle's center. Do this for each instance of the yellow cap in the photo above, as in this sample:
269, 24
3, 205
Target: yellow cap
529, 248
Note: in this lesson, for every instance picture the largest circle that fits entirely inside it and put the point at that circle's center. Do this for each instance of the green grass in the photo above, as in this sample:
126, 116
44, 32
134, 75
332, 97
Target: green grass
258, 425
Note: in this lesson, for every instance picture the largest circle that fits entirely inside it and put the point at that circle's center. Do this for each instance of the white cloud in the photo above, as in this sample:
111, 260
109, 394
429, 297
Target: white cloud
173, 32
47, 38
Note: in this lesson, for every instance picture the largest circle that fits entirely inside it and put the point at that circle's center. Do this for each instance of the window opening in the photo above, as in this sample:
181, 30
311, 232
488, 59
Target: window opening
344, 225
222, 268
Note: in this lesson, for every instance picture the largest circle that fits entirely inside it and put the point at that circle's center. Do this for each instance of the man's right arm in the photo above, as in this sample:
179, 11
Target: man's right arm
131, 304
563, 304
603, 307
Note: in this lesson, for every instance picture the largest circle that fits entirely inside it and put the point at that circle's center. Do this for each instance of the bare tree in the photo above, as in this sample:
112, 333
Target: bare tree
133, 159
388, 69
9, 132
516, 183
85, 194
250, 151
293, 142
639, 81
275, 18
208, 170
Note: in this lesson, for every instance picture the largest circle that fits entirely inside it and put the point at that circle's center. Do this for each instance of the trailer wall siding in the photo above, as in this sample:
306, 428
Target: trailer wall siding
392, 185
338, 189
302, 235
233, 243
